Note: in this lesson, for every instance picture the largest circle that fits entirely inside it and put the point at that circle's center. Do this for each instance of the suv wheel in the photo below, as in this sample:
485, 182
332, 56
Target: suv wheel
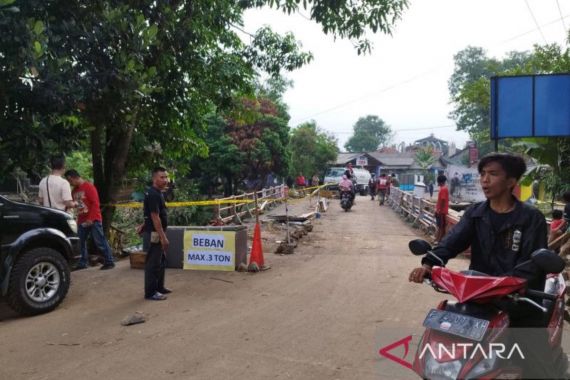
39, 281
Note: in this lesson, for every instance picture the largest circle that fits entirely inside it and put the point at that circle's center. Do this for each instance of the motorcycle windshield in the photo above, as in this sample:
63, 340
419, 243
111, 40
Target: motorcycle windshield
470, 288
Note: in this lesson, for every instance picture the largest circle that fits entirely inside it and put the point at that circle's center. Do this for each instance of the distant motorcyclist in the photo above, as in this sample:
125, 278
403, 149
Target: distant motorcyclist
345, 184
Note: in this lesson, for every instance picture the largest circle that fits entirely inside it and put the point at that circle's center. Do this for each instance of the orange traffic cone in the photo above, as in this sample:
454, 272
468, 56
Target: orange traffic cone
256, 262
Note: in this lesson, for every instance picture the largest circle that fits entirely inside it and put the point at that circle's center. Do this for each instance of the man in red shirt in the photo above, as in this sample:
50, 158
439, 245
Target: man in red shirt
441, 208
382, 186
89, 219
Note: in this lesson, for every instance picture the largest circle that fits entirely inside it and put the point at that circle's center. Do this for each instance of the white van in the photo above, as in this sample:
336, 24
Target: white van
334, 175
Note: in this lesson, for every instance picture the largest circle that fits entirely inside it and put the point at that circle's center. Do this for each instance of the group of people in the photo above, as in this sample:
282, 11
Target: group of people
301, 182
381, 186
55, 192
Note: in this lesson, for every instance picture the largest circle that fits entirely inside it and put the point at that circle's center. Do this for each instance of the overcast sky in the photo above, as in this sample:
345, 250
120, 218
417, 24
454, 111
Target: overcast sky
404, 80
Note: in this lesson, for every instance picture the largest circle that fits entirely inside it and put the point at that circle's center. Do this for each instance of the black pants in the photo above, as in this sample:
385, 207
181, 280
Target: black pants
154, 269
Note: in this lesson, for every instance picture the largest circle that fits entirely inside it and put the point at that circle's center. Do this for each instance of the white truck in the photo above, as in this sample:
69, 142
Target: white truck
334, 175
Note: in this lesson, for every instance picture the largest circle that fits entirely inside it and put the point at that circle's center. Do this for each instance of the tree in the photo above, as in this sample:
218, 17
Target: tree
370, 133
311, 150
130, 75
249, 143
425, 158
344, 18
469, 88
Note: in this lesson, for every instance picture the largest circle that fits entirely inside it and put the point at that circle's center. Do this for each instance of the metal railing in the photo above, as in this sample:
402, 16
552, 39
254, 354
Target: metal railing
419, 211
245, 204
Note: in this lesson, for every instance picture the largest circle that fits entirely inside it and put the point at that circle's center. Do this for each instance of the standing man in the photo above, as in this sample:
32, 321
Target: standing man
54, 191
372, 187
155, 243
441, 208
382, 186
89, 220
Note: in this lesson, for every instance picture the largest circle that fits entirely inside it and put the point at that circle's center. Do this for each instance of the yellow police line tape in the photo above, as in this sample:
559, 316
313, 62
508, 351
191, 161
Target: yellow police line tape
214, 202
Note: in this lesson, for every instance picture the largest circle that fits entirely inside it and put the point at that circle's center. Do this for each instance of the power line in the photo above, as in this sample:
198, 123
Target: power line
342, 105
561, 18
344, 132
535, 21
302, 15
243, 31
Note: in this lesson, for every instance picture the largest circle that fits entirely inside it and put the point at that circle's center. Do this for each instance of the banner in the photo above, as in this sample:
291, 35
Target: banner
464, 184
209, 250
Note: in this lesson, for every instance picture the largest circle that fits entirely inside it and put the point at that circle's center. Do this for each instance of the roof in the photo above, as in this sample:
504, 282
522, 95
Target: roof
431, 138
394, 160
343, 158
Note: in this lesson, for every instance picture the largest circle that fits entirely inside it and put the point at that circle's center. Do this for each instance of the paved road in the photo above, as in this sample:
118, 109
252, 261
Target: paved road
321, 313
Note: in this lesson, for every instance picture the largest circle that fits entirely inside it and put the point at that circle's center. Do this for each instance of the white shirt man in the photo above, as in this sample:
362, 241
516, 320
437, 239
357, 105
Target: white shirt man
54, 191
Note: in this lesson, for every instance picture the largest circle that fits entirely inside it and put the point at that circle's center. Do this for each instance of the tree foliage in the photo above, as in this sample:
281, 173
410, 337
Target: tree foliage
344, 18
469, 88
311, 150
370, 133
248, 144
133, 77
470, 92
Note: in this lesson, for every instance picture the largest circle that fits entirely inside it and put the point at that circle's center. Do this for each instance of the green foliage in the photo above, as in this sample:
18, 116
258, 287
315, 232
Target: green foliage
344, 18
470, 92
189, 216
135, 81
370, 133
249, 143
425, 157
469, 87
80, 161
311, 150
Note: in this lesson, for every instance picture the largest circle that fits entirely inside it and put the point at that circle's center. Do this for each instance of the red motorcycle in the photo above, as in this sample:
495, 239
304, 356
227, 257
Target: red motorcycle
469, 339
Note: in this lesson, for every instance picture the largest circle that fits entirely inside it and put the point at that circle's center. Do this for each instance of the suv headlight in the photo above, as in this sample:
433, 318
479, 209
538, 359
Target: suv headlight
72, 224
441, 371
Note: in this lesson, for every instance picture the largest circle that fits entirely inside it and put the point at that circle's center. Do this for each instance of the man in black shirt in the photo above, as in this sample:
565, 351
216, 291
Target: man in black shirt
155, 243
503, 232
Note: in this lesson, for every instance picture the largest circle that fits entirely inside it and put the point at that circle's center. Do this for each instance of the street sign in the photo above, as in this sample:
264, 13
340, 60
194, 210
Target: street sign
362, 161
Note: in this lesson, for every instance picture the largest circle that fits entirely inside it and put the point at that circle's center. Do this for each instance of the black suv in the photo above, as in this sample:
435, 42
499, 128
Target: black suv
37, 245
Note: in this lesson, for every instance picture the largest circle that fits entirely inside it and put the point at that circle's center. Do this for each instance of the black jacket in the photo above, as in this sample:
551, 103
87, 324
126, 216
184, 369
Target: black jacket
497, 254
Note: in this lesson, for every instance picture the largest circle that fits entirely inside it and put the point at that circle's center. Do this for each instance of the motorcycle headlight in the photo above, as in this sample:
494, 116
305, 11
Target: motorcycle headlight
441, 371
482, 367
72, 224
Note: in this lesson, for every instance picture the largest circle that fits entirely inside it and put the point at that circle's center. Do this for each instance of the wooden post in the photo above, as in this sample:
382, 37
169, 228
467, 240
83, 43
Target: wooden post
287, 221
256, 208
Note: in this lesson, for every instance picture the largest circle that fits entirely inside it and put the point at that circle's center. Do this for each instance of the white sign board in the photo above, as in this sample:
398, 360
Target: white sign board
209, 250
463, 184
362, 161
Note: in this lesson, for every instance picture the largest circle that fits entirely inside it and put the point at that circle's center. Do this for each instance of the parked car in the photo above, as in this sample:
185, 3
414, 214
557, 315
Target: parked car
334, 175
37, 247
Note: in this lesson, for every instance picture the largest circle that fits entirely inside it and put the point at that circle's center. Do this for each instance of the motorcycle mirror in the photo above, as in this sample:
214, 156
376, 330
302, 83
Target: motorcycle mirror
548, 261
419, 247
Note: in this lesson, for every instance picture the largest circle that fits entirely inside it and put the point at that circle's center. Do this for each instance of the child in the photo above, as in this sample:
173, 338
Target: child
557, 226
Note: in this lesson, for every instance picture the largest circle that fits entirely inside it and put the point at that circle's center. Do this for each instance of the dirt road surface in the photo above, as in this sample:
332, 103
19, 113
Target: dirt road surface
321, 313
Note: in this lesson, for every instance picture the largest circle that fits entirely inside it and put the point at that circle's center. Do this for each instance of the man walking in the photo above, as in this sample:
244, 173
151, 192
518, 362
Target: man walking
155, 243
54, 191
89, 220
382, 186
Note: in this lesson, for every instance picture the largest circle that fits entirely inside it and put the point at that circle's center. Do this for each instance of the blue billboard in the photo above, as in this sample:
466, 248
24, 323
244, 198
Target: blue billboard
530, 106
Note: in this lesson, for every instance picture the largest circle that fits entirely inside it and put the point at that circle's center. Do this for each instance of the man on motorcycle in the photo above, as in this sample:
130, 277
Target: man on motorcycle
502, 232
